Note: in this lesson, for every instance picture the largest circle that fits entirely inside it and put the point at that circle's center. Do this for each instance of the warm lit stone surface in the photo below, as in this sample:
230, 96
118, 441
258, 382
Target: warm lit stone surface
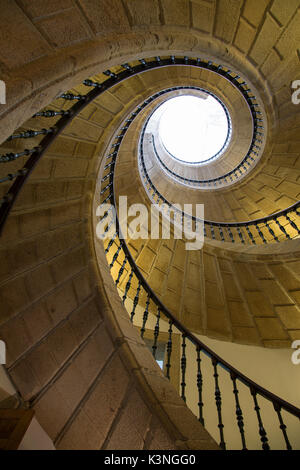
65, 326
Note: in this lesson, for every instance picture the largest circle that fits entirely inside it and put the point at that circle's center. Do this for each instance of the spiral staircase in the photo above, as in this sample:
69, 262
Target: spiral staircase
85, 320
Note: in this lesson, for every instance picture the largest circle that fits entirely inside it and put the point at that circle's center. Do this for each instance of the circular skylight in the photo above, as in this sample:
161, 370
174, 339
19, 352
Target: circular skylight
194, 129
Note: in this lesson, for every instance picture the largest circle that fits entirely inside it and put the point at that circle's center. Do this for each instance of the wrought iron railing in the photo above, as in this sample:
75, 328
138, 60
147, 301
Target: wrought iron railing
137, 294
124, 71
119, 254
279, 226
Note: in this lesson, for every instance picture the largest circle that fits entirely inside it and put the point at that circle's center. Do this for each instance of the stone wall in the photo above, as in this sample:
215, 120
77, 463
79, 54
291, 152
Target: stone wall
64, 346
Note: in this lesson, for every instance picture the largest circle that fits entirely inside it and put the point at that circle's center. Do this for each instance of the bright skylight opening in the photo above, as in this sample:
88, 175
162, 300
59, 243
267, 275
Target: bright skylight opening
193, 129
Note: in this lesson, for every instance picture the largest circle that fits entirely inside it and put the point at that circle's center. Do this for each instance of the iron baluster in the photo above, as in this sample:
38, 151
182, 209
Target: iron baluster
292, 223
250, 235
135, 301
169, 349
111, 241
115, 256
156, 333
49, 113
12, 176
128, 285
200, 386
9, 157
121, 271
221, 233
262, 432
282, 229
271, 231
238, 411
29, 134
145, 316
183, 368
240, 233
72, 97
218, 399
230, 234
282, 426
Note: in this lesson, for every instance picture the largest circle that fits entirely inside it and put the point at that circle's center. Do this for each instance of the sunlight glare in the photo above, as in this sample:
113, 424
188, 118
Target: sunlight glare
193, 129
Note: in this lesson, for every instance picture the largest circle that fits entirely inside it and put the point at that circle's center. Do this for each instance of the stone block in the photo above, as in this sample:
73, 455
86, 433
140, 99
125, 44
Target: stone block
144, 12
26, 44
255, 12
65, 28
239, 314
270, 328
14, 297
227, 14
132, 426
84, 320
266, 39
39, 281
290, 316
61, 302
176, 12
202, 16
104, 17
259, 304
244, 36
37, 8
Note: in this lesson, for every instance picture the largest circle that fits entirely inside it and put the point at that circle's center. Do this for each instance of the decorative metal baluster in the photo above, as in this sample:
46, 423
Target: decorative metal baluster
238, 411
145, 316
230, 234
221, 233
115, 256
282, 426
89, 82
12, 176
292, 223
49, 113
106, 199
106, 188
250, 235
109, 225
183, 368
169, 349
128, 284
260, 233
9, 157
29, 134
240, 233
156, 333
71, 97
110, 243
135, 301
219, 404
296, 211
200, 385
282, 229
110, 74
271, 231
262, 432
121, 270
212, 232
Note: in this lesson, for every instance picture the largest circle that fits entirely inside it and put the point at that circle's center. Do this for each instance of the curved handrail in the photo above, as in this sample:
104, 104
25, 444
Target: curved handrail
228, 225
37, 152
128, 70
254, 388
236, 224
292, 409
